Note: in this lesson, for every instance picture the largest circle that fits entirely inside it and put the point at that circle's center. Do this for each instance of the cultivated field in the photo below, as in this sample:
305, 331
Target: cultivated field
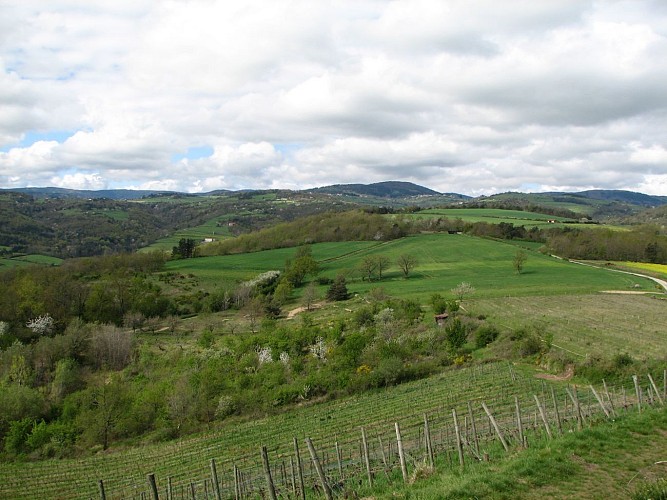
444, 261
237, 443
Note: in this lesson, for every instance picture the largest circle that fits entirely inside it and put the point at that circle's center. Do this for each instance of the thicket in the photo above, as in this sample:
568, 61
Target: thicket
85, 385
641, 244
354, 225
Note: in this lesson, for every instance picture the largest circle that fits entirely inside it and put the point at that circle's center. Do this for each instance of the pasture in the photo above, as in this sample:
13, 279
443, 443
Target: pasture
215, 228
25, 260
495, 216
444, 261
585, 325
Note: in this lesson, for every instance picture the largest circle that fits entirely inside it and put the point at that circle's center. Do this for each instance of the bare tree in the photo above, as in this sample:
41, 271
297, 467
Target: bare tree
110, 346
368, 267
406, 262
382, 264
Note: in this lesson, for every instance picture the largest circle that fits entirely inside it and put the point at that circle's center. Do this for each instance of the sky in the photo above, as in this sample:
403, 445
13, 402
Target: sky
466, 96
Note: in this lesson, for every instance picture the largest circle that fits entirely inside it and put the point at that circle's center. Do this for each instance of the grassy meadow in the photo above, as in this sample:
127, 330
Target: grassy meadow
25, 260
215, 228
495, 216
444, 261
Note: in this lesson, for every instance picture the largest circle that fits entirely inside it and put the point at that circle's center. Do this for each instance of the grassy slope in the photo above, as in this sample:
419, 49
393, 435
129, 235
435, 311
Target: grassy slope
609, 460
444, 261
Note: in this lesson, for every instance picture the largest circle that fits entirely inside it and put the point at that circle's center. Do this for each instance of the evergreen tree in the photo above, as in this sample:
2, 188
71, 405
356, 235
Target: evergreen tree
338, 289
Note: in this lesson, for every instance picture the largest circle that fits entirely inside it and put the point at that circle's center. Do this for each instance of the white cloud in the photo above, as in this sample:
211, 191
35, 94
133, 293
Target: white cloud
472, 97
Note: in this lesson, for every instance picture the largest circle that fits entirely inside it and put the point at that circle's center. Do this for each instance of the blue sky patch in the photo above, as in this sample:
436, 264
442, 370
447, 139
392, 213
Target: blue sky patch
193, 153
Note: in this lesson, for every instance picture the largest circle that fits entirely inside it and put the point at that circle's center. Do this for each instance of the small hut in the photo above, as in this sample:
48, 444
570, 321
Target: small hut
441, 318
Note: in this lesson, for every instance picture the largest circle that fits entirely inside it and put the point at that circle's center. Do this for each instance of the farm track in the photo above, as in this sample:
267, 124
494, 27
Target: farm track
357, 252
661, 282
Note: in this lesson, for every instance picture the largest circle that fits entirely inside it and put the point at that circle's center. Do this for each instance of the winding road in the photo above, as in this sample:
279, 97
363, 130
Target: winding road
659, 281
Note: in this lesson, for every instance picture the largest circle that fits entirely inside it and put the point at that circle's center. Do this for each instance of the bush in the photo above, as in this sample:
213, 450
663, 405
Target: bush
485, 335
621, 360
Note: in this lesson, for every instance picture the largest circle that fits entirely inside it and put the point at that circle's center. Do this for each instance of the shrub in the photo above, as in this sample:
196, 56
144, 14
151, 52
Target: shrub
485, 335
622, 360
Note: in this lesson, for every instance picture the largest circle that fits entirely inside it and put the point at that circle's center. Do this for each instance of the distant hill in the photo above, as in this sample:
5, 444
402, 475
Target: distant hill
624, 196
388, 189
111, 194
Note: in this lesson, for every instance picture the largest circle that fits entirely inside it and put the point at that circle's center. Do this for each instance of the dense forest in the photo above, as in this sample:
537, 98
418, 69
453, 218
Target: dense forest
69, 227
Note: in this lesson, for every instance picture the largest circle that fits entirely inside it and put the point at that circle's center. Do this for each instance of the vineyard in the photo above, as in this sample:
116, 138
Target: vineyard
466, 414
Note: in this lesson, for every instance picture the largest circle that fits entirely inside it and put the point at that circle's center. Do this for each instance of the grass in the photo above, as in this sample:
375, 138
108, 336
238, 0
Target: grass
25, 260
215, 228
444, 261
495, 216
609, 460
584, 325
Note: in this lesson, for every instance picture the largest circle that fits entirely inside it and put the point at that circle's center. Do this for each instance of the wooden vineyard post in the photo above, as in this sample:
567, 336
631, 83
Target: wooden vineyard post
192, 490
459, 444
519, 423
384, 455
170, 493
299, 469
496, 427
429, 444
237, 486
100, 485
318, 468
401, 455
655, 388
543, 416
292, 475
214, 480
267, 474
611, 403
153, 486
367, 461
474, 428
556, 412
638, 392
339, 460
600, 402
577, 408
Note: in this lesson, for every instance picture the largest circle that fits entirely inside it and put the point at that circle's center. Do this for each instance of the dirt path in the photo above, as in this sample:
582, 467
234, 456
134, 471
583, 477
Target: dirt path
301, 309
566, 375
659, 281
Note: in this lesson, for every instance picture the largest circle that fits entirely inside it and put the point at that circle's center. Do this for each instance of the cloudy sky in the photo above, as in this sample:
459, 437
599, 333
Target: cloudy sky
466, 96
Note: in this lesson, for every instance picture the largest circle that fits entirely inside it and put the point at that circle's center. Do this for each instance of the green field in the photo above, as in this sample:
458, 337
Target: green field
585, 325
495, 216
215, 228
25, 260
444, 261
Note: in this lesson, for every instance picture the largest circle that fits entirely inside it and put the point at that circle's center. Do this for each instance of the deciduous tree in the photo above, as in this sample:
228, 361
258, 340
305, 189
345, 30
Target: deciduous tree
406, 262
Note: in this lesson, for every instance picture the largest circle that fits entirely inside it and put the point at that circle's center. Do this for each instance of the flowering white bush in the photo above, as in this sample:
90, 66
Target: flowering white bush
264, 354
4, 328
41, 325
319, 349
284, 358
262, 278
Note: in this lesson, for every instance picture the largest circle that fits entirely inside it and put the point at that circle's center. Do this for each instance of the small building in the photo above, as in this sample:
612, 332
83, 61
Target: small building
440, 319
